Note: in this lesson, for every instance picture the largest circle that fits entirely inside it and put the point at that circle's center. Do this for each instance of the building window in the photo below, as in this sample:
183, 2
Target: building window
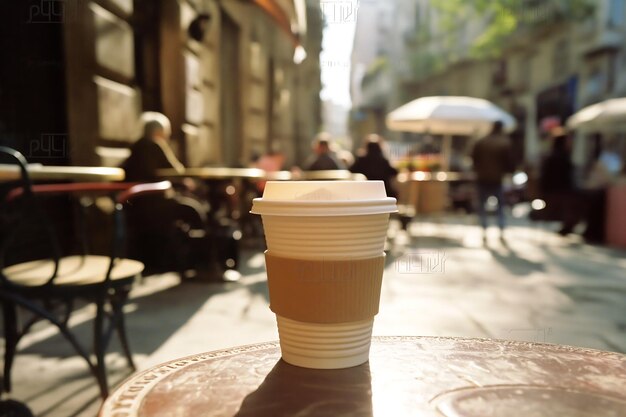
500, 73
616, 13
422, 14
524, 75
595, 86
612, 70
560, 59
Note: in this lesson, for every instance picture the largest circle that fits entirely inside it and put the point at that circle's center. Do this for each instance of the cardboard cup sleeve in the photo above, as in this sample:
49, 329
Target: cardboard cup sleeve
324, 291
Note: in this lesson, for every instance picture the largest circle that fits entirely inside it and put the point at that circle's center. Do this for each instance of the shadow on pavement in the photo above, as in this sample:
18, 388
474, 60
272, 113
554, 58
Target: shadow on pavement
514, 263
584, 261
153, 318
434, 242
257, 289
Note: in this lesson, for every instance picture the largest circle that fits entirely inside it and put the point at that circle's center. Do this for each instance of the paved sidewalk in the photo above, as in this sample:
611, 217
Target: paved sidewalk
440, 280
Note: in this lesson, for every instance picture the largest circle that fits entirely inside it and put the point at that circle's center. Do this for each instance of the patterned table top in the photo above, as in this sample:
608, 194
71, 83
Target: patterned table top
406, 376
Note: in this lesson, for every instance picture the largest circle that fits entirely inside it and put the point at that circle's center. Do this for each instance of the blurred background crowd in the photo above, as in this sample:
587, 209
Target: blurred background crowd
243, 82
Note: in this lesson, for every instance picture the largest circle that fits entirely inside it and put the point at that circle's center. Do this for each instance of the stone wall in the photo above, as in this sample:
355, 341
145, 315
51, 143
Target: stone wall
229, 95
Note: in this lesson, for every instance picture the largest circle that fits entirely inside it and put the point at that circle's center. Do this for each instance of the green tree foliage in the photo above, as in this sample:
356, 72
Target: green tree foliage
379, 65
502, 18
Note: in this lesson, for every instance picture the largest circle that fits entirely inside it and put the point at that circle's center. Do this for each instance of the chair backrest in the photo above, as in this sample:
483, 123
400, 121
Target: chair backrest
27, 232
50, 221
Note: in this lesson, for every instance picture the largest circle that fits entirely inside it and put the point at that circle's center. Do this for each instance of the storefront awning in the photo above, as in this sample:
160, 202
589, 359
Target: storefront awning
290, 15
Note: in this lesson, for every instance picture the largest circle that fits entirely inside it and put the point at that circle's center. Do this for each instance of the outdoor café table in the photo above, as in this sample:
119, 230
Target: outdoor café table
216, 176
217, 180
213, 173
427, 192
38, 172
330, 175
278, 175
440, 176
406, 376
226, 193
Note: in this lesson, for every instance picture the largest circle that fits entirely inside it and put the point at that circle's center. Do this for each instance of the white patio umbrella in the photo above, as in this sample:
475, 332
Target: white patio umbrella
449, 115
608, 115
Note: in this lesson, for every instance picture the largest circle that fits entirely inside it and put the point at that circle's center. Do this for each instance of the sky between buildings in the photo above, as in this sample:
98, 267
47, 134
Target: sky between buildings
340, 18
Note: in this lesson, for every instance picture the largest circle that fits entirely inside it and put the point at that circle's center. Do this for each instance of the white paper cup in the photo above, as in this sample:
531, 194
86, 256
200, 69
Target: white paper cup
325, 346
325, 220
336, 237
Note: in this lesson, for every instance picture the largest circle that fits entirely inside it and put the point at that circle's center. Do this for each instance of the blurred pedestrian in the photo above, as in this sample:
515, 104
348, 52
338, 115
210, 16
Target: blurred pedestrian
493, 159
324, 159
374, 165
593, 194
346, 157
557, 184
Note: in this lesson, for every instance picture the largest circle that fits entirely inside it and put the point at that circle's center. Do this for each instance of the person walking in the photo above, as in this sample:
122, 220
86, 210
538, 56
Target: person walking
492, 158
374, 165
323, 159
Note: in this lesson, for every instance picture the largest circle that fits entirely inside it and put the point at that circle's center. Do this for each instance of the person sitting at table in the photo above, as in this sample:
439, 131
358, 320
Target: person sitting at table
324, 159
159, 222
152, 151
271, 161
374, 165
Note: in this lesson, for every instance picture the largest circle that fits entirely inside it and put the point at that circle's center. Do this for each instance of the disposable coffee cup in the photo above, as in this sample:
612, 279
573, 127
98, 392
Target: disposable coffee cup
325, 261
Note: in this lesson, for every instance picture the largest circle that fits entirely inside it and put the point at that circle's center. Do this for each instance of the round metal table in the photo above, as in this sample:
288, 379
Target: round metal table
441, 176
214, 173
39, 172
332, 175
406, 376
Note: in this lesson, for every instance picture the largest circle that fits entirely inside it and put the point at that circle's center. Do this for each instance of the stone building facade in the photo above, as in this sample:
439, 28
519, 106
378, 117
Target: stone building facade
229, 83
553, 64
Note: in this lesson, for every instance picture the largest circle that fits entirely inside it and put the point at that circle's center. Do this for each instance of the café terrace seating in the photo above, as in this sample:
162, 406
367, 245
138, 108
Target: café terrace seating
46, 271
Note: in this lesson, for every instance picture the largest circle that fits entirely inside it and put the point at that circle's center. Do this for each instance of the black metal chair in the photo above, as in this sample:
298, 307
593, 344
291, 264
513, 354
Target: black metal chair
48, 286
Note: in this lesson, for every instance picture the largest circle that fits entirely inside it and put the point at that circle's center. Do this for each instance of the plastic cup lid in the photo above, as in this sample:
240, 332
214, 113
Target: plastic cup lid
324, 198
